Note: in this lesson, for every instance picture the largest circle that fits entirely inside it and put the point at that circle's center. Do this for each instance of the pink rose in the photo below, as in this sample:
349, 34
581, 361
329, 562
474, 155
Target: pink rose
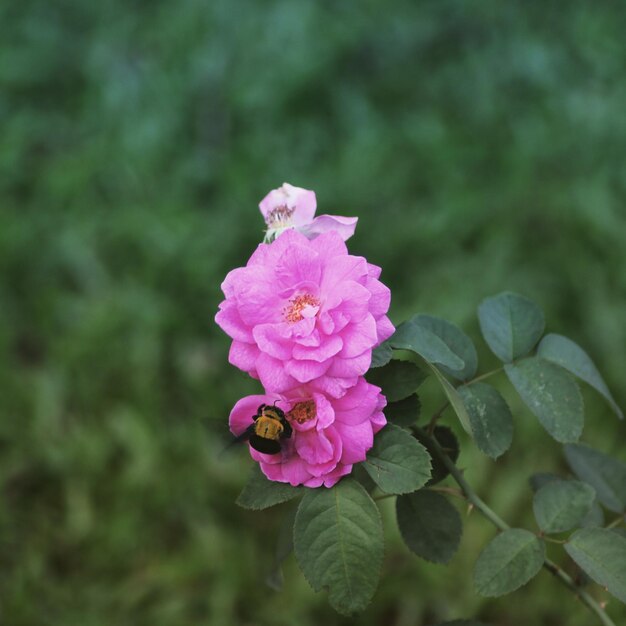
329, 435
305, 311
291, 207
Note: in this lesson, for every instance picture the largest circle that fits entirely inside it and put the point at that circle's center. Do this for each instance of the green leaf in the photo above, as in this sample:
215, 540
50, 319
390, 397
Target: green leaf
605, 474
404, 412
574, 359
561, 505
418, 339
284, 547
397, 379
450, 444
457, 342
490, 418
261, 493
338, 541
360, 474
455, 400
430, 526
595, 516
415, 336
381, 355
601, 554
551, 394
537, 481
509, 561
397, 462
511, 325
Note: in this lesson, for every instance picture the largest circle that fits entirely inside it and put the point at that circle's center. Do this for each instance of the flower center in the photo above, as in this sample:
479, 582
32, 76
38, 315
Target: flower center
302, 412
280, 217
293, 312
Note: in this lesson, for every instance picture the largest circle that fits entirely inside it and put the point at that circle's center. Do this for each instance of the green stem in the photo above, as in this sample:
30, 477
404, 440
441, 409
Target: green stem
436, 415
552, 540
482, 377
384, 497
448, 490
568, 581
616, 522
498, 522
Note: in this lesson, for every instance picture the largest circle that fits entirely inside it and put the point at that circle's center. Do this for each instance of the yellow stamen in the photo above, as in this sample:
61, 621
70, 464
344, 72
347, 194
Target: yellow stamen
302, 412
293, 313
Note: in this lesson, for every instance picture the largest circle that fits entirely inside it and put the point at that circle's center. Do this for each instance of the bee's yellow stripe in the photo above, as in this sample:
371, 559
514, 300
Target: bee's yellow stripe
268, 427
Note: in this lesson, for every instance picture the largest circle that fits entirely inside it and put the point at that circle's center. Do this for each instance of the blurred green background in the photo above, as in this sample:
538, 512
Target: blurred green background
482, 146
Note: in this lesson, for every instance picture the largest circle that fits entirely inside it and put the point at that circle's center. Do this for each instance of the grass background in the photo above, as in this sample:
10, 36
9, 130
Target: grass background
482, 146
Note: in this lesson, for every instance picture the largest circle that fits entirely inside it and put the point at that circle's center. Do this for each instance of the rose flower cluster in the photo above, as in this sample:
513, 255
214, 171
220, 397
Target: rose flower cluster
304, 316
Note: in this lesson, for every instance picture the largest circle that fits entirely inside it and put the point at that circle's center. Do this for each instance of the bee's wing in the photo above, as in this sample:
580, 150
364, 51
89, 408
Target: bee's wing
264, 445
245, 435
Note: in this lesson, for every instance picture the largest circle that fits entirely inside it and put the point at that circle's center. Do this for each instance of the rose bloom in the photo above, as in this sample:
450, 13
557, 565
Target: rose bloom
305, 311
293, 207
329, 435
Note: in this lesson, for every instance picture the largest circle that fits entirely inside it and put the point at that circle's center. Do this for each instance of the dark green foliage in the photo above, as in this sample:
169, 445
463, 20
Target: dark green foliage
405, 412
360, 473
595, 516
261, 493
430, 526
490, 418
381, 355
601, 554
397, 462
338, 540
454, 399
509, 561
511, 324
604, 473
397, 379
420, 339
537, 481
450, 445
456, 341
561, 505
551, 394
574, 359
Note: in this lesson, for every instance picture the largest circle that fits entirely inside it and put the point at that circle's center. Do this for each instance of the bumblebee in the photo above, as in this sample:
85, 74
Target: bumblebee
269, 427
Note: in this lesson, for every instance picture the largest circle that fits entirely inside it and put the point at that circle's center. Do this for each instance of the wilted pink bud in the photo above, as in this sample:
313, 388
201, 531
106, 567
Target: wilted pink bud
293, 207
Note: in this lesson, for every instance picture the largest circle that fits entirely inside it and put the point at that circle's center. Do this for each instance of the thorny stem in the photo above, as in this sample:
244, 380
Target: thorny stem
449, 490
499, 523
436, 415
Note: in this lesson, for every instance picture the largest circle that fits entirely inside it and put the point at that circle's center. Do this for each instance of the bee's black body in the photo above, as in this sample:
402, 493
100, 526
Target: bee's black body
269, 427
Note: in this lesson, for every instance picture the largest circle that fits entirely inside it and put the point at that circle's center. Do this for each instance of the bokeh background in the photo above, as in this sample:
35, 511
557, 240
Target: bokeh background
481, 144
